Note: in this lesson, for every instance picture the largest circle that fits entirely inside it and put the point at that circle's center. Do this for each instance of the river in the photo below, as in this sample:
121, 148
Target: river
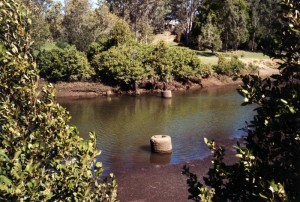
124, 124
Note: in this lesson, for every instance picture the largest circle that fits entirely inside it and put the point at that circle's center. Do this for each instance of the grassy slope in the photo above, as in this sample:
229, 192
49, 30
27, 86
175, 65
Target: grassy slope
206, 56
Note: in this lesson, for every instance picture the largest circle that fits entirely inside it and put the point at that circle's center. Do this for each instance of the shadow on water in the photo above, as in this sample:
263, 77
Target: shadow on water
155, 158
146, 148
160, 159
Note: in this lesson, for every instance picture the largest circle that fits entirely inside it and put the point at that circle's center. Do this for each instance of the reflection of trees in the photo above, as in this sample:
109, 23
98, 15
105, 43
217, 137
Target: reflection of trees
149, 114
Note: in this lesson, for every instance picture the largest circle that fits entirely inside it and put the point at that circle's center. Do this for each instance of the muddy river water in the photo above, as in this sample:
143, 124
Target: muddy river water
124, 124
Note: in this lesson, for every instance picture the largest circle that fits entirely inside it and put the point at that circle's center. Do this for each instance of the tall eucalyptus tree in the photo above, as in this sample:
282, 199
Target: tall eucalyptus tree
144, 16
185, 11
78, 23
40, 30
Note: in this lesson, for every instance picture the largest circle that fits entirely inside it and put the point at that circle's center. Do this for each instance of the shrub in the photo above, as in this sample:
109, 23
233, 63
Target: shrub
64, 65
122, 65
176, 63
95, 48
252, 66
42, 158
127, 64
228, 68
184, 64
161, 61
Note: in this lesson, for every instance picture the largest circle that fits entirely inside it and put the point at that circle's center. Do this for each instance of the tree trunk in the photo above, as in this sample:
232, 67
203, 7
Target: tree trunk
226, 43
253, 41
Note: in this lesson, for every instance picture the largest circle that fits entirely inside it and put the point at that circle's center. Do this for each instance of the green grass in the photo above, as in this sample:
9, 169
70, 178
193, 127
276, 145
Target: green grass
208, 58
46, 46
49, 46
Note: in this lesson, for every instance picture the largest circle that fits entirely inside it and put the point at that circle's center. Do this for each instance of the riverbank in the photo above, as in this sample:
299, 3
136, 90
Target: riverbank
164, 183
95, 89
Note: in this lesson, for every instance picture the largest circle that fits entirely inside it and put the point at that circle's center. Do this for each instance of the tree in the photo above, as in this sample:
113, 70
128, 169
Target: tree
264, 24
227, 19
78, 22
235, 23
161, 62
55, 17
42, 158
40, 30
121, 34
158, 13
210, 36
268, 166
104, 22
184, 11
142, 16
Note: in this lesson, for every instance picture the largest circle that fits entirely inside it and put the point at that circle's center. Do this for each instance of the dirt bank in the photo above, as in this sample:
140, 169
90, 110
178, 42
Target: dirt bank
94, 89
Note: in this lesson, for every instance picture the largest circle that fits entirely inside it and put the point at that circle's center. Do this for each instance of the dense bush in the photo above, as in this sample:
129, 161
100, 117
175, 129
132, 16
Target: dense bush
64, 65
122, 65
185, 64
176, 63
125, 65
42, 158
100, 46
161, 61
228, 67
268, 168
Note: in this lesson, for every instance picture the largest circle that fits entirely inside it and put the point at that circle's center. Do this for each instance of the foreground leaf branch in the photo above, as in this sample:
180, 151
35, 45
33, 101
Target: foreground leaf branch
268, 168
42, 158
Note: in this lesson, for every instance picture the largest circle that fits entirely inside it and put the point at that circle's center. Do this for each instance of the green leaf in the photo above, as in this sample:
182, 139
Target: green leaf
4, 180
98, 165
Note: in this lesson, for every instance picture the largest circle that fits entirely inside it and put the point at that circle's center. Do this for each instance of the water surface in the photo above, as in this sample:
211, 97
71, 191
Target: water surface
124, 124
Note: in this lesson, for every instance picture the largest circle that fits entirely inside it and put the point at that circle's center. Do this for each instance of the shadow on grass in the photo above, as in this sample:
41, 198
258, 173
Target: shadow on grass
206, 54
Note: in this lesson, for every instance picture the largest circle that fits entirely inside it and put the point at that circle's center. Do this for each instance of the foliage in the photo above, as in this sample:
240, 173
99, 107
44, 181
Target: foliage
235, 31
42, 158
63, 65
185, 64
143, 17
40, 29
95, 48
161, 62
122, 65
184, 12
264, 26
127, 64
246, 24
229, 68
145, 34
268, 167
175, 63
237, 182
211, 36
54, 18
79, 23
121, 34
223, 20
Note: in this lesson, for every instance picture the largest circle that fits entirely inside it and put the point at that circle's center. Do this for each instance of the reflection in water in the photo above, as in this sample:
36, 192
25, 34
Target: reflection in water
125, 124
160, 159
